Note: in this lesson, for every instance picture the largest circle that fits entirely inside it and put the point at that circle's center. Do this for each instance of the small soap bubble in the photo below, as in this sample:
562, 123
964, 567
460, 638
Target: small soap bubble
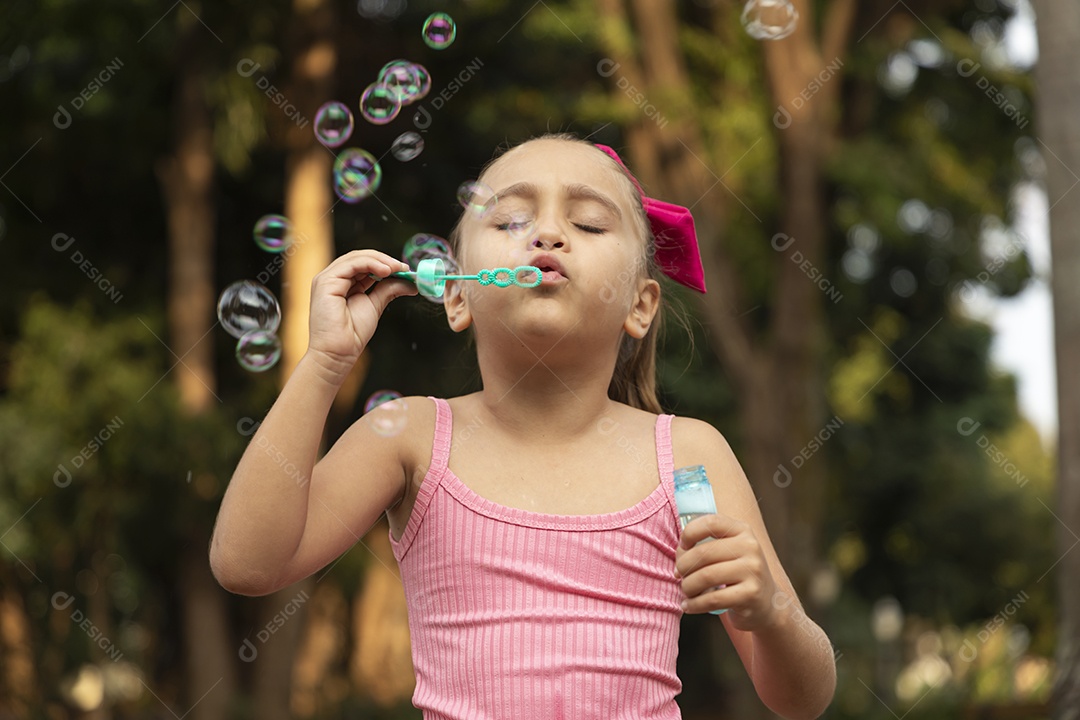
357, 175
379, 104
407, 146
423, 247
439, 31
245, 305
391, 415
423, 82
258, 350
476, 197
333, 124
401, 79
769, 19
273, 233
521, 226
380, 9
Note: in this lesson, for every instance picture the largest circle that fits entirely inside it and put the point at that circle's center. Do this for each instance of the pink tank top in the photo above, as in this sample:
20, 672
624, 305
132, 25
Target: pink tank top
521, 615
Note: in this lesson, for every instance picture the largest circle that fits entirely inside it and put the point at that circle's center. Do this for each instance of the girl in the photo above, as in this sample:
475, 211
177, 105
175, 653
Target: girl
540, 549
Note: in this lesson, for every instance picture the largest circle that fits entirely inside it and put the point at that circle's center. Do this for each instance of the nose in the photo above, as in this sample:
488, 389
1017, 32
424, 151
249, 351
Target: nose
548, 234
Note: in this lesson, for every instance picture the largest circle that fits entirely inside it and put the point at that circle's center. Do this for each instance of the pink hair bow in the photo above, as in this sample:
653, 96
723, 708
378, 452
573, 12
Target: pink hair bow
677, 253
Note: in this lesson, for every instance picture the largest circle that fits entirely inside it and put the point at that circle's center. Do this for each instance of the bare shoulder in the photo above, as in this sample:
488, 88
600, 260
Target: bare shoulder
696, 442
391, 435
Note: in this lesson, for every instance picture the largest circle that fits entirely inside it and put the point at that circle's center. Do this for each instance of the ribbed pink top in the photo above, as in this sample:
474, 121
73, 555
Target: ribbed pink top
531, 616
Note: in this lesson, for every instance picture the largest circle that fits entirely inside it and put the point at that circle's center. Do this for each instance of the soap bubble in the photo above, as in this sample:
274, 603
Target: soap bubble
258, 350
423, 82
401, 78
476, 197
357, 174
380, 9
273, 233
246, 305
407, 81
423, 247
769, 19
390, 412
407, 146
333, 124
379, 104
521, 226
439, 31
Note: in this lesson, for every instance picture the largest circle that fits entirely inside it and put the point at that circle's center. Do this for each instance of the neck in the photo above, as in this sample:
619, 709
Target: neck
553, 396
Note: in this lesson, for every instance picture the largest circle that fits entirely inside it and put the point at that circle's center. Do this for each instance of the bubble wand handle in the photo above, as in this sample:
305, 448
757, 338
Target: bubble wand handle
430, 276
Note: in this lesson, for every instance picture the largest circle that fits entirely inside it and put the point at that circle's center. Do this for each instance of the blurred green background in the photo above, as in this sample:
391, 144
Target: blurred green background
141, 142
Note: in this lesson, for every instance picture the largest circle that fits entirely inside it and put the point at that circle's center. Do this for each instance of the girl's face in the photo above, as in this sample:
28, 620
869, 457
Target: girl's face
566, 208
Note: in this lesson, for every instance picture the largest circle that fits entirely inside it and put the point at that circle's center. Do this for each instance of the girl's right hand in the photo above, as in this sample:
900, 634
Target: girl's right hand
344, 314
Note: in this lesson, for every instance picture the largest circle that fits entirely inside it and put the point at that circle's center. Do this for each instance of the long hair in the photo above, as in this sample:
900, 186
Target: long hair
634, 379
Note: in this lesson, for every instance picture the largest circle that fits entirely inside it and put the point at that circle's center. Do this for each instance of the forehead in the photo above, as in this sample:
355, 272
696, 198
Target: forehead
558, 163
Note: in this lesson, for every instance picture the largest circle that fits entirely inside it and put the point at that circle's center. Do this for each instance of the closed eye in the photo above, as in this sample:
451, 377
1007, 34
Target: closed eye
591, 229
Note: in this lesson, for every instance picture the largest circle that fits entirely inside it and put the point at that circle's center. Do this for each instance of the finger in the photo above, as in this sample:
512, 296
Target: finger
714, 599
339, 277
388, 290
730, 573
710, 526
708, 553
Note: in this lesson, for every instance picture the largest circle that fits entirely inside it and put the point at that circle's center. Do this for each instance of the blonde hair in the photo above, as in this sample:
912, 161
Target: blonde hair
634, 379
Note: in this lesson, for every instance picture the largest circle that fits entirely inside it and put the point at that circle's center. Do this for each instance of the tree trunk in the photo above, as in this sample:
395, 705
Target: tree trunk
308, 202
18, 679
187, 179
381, 661
209, 654
1058, 106
316, 687
281, 617
308, 198
778, 375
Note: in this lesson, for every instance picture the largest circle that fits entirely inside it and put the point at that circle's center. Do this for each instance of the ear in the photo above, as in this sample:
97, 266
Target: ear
455, 302
645, 304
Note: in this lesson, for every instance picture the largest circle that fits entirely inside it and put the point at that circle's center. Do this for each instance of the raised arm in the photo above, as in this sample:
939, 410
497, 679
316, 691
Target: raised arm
268, 514
787, 655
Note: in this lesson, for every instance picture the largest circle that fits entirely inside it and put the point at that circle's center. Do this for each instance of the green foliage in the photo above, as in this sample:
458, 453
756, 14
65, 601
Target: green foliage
917, 510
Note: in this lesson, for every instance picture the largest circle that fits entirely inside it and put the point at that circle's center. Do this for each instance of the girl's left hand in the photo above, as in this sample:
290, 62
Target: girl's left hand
734, 559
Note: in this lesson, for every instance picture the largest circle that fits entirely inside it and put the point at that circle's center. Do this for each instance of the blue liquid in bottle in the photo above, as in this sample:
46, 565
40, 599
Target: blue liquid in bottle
694, 498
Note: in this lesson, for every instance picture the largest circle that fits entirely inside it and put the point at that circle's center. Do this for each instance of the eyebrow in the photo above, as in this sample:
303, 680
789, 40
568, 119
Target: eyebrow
529, 191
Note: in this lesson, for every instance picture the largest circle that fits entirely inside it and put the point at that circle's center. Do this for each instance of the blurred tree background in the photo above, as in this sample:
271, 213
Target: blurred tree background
854, 185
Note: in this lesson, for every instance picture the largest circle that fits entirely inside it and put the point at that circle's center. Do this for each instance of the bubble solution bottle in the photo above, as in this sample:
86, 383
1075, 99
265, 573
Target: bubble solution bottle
694, 498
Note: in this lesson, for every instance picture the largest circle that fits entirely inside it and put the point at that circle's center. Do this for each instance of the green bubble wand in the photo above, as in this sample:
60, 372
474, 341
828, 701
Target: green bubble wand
430, 277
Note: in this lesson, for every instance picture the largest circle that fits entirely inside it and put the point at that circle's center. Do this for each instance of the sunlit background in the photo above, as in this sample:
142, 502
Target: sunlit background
876, 344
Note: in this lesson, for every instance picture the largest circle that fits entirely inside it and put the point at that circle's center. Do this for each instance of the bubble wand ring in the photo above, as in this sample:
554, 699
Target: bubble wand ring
430, 277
